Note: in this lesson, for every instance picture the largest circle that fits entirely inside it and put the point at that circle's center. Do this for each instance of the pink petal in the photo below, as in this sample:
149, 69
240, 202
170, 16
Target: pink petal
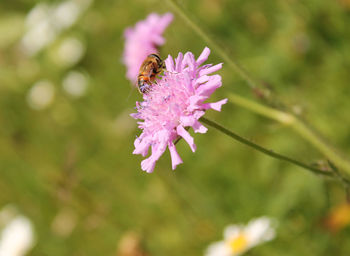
175, 158
178, 62
158, 40
189, 85
210, 70
198, 114
158, 150
152, 18
209, 87
148, 165
169, 63
187, 137
215, 105
204, 56
134, 115
202, 79
163, 136
127, 32
195, 101
187, 120
141, 147
192, 62
199, 128
189, 60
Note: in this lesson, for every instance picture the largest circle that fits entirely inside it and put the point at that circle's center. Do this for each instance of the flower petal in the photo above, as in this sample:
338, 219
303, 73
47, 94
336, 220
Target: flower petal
169, 63
232, 231
202, 79
215, 105
209, 87
175, 158
218, 249
187, 120
199, 128
203, 57
210, 70
149, 163
178, 62
187, 137
195, 102
141, 147
158, 40
189, 61
135, 115
260, 230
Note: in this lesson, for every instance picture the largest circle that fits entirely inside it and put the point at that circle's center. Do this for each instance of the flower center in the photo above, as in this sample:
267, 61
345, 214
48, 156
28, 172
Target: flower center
239, 243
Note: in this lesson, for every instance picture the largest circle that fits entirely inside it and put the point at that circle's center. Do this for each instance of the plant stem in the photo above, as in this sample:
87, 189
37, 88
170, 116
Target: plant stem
232, 63
264, 150
299, 126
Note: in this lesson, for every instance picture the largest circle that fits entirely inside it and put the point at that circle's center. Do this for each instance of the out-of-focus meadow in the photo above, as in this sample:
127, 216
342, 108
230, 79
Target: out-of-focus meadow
66, 137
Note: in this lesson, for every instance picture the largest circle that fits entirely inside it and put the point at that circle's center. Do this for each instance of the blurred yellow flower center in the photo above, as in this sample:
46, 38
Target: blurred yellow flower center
239, 243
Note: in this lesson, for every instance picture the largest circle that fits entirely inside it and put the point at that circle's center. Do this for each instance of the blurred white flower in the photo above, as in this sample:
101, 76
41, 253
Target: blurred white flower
46, 21
37, 14
75, 83
239, 238
38, 37
66, 14
70, 51
17, 237
41, 94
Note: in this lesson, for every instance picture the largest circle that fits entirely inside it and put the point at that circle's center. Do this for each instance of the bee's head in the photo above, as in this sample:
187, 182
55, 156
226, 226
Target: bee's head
158, 59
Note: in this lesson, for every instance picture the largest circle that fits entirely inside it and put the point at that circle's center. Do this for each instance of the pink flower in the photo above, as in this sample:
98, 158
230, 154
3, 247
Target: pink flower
175, 102
142, 40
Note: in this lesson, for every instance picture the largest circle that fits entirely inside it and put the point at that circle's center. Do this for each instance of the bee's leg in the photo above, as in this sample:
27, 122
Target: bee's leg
144, 88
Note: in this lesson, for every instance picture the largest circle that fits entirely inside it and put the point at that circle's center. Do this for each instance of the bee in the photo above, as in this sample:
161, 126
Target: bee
150, 68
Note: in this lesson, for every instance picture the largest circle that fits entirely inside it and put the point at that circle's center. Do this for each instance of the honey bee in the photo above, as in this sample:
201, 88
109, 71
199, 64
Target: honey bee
150, 68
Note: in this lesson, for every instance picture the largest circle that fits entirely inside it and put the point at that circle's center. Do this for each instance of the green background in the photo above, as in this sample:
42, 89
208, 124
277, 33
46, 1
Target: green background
74, 158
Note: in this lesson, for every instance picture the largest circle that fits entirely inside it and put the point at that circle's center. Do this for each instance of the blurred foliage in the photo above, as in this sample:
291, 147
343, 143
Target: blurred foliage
70, 168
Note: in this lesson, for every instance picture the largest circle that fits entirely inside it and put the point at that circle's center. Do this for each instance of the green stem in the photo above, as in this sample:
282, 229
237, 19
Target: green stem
216, 48
299, 126
264, 150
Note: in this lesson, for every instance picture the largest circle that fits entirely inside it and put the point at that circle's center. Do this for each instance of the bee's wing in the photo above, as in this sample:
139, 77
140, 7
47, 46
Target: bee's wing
132, 89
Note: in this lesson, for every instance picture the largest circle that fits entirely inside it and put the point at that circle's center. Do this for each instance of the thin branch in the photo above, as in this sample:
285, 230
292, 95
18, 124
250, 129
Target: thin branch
264, 150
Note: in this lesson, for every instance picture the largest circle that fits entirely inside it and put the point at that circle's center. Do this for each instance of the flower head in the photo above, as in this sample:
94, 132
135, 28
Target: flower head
17, 235
239, 238
142, 40
175, 103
